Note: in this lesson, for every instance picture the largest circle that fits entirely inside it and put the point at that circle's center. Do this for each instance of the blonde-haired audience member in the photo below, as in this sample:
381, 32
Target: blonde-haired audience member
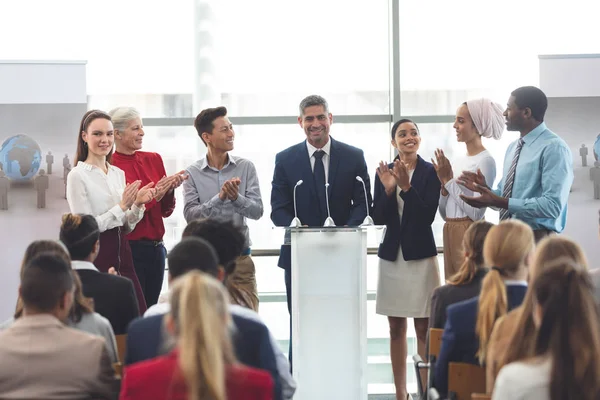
513, 337
566, 362
203, 365
507, 250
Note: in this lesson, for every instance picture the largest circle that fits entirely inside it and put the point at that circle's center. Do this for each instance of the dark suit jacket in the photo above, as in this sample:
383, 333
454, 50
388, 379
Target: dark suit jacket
251, 342
114, 297
414, 233
160, 379
346, 195
459, 341
447, 295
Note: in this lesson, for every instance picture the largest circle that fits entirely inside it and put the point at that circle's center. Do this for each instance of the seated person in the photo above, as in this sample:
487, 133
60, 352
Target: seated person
507, 249
147, 338
466, 283
42, 358
198, 301
114, 296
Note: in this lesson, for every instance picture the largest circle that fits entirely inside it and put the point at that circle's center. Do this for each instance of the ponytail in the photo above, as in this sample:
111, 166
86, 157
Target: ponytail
201, 319
493, 304
473, 246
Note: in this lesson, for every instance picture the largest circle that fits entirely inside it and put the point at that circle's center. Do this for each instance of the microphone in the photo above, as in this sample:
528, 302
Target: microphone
296, 221
368, 220
329, 221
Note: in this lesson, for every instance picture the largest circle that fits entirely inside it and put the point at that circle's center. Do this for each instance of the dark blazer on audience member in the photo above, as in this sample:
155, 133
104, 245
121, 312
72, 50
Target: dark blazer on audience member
346, 195
447, 295
158, 379
251, 342
414, 233
114, 297
459, 341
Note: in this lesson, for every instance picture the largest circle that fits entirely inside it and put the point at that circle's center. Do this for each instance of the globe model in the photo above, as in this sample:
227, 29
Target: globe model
20, 157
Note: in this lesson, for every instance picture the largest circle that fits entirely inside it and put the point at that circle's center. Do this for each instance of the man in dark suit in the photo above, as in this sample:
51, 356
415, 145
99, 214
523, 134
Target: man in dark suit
316, 161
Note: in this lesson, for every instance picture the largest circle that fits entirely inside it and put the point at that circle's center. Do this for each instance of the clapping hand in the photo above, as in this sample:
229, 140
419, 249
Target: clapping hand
386, 178
400, 174
472, 180
145, 195
230, 189
442, 166
169, 183
129, 195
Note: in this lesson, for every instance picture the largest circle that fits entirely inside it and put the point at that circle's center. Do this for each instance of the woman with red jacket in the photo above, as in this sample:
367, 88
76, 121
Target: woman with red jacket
146, 240
202, 366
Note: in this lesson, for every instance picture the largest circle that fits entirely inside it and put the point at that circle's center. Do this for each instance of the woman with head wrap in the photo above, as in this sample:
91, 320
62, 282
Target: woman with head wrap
474, 119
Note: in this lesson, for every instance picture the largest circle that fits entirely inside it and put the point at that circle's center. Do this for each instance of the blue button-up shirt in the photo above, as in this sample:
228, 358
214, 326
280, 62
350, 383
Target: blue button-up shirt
201, 193
543, 179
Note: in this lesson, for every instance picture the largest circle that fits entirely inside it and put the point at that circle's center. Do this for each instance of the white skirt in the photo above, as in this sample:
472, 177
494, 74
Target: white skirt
404, 288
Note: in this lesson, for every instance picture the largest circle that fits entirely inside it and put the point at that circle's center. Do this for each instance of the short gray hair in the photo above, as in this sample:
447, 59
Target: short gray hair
313, 100
121, 116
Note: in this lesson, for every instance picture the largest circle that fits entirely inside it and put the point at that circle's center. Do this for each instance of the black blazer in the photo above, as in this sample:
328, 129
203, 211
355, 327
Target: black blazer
446, 295
347, 202
414, 234
114, 297
251, 340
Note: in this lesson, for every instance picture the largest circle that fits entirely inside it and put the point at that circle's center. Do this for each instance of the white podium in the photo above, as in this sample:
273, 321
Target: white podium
329, 311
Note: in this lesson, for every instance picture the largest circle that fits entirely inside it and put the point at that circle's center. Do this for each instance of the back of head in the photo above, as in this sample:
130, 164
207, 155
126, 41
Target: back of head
46, 279
548, 250
227, 239
506, 250
200, 312
191, 254
473, 247
122, 116
533, 98
79, 232
568, 330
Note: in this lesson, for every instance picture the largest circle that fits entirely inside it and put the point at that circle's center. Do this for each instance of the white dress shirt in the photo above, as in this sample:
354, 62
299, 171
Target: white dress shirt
327, 150
452, 206
91, 191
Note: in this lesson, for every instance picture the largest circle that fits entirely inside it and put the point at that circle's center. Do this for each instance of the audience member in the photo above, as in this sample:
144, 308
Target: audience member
114, 296
41, 357
508, 248
513, 337
566, 361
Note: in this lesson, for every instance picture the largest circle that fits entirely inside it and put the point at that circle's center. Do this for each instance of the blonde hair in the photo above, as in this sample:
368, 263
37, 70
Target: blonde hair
505, 250
199, 309
550, 249
473, 246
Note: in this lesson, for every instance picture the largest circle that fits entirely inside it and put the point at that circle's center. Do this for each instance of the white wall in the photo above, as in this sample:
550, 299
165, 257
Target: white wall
570, 75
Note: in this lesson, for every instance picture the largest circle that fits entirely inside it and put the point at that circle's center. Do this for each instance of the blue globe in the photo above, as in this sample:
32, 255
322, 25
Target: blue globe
20, 157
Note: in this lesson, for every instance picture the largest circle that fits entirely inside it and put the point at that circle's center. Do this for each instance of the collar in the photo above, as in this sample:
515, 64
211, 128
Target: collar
126, 157
83, 265
534, 134
38, 320
90, 167
312, 149
512, 282
204, 162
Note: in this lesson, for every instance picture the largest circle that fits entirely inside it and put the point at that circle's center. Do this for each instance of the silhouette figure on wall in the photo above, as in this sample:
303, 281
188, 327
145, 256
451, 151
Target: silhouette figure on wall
4, 185
66, 172
41, 184
49, 162
595, 172
583, 152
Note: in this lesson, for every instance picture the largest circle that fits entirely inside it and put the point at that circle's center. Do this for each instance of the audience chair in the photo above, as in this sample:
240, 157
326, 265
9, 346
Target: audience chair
121, 347
435, 344
481, 396
464, 380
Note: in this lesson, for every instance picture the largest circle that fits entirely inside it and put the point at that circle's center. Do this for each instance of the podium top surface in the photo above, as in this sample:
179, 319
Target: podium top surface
375, 233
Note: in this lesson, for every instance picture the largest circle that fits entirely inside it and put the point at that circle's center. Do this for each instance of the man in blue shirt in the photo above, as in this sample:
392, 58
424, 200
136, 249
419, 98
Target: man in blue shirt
538, 169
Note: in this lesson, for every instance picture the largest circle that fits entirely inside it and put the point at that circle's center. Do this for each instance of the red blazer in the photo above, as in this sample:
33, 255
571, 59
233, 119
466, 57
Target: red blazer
160, 378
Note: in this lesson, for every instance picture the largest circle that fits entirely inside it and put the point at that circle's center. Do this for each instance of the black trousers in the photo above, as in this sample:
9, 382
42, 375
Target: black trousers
149, 262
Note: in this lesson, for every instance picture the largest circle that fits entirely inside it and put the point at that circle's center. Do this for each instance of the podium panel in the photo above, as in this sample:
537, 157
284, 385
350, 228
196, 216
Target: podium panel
329, 310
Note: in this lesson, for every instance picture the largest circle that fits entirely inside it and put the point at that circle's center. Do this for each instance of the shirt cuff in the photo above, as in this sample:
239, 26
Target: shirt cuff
515, 205
139, 211
240, 202
118, 212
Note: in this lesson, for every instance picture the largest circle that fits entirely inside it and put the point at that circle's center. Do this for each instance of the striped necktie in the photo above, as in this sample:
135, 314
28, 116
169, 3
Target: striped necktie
510, 179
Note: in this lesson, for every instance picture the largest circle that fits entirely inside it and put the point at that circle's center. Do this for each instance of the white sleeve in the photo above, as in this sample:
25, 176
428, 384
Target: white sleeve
488, 169
80, 203
506, 386
442, 205
135, 213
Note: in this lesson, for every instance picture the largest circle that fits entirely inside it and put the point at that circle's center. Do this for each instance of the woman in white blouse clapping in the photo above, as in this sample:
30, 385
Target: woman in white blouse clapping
95, 187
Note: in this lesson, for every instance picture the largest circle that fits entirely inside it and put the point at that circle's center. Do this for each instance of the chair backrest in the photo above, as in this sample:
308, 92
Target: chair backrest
435, 341
481, 396
465, 379
121, 347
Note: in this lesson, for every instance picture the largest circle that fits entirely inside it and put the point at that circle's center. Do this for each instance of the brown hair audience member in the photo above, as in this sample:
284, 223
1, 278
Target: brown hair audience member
466, 283
513, 337
203, 365
566, 362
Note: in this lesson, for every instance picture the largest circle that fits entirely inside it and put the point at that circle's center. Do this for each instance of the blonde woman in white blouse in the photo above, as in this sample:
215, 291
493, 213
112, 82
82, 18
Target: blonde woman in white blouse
474, 119
97, 188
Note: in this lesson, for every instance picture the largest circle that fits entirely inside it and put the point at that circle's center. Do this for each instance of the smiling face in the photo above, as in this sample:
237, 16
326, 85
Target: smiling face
463, 124
99, 137
222, 136
406, 138
130, 139
316, 123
